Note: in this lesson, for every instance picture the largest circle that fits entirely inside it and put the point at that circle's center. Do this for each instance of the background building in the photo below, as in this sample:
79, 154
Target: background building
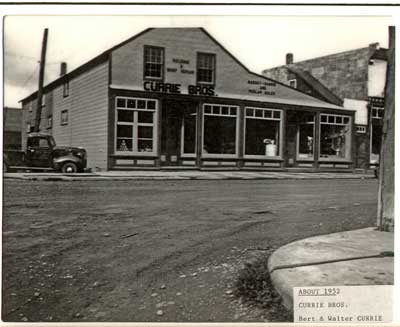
12, 125
354, 79
176, 97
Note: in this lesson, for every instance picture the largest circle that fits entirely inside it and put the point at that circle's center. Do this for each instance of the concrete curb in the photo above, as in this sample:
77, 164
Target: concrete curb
181, 176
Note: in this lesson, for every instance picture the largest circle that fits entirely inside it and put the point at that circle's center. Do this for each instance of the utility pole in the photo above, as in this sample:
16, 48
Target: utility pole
386, 161
41, 80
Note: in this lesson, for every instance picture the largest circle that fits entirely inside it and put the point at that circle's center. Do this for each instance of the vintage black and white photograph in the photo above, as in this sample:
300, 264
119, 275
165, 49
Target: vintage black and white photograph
198, 168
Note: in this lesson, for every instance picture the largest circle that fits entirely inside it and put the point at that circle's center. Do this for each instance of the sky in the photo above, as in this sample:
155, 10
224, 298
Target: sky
259, 42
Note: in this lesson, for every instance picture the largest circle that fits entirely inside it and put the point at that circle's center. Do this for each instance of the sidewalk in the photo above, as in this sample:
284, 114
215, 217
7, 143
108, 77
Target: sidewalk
301, 263
184, 175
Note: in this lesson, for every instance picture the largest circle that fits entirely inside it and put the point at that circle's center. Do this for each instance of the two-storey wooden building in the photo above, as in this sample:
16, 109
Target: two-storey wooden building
176, 97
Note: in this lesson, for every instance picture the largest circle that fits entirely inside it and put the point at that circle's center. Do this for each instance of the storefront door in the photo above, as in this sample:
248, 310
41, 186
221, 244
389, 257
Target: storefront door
178, 132
299, 137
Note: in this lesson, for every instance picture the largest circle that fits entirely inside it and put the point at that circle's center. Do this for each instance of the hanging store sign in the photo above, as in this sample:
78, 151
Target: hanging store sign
176, 88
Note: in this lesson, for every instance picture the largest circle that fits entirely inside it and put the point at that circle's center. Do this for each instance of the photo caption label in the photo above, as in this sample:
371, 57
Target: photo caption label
348, 304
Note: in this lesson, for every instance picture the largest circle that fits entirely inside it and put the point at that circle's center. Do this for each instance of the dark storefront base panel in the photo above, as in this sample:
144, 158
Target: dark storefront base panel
155, 163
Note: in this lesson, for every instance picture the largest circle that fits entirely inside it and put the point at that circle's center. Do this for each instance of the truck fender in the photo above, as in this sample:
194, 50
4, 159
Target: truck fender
58, 162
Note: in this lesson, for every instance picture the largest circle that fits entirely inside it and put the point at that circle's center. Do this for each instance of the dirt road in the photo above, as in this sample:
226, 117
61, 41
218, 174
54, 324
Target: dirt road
157, 250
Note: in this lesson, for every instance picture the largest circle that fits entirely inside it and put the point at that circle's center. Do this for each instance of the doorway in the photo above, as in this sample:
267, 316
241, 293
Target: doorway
300, 135
178, 131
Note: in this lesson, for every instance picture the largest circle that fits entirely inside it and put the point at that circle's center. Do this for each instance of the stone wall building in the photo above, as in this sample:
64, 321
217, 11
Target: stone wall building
353, 79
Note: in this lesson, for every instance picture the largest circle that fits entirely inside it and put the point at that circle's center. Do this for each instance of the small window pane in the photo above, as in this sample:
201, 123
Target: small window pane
233, 111
141, 104
259, 113
207, 109
225, 110
249, 112
145, 117
125, 116
121, 103
145, 145
124, 144
267, 113
151, 104
346, 120
216, 110
131, 103
124, 131
323, 119
145, 132
277, 114
331, 119
339, 120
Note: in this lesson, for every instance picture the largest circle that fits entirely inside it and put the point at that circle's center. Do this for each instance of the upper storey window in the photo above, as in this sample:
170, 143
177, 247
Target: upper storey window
206, 68
153, 62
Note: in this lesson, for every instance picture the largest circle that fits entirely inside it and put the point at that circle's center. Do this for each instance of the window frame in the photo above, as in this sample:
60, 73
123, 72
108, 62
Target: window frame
152, 78
350, 125
135, 124
43, 104
49, 119
295, 83
361, 129
66, 88
237, 117
214, 71
280, 119
64, 122
378, 111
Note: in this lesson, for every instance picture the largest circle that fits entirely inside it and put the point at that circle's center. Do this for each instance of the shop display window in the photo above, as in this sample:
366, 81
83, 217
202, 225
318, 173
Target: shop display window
135, 125
220, 130
305, 146
262, 132
335, 140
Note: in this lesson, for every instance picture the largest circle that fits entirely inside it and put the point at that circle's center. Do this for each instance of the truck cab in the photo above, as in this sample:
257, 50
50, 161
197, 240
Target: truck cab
43, 153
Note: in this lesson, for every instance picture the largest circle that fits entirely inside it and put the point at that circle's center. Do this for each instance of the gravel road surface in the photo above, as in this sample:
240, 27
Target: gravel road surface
157, 250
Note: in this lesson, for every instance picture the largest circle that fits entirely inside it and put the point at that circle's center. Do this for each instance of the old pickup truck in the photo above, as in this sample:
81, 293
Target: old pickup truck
43, 154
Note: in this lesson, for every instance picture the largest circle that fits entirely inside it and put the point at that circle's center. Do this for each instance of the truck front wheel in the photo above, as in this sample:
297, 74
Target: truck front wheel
69, 167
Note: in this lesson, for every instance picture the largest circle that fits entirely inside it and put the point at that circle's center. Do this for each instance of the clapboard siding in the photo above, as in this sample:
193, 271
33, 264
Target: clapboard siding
87, 106
232, 78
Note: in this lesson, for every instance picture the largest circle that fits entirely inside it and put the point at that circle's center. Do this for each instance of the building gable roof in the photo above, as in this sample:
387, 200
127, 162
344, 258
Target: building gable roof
316, 85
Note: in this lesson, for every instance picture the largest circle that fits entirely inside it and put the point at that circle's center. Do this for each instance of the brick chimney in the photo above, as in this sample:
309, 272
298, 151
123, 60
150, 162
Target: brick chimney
63, 68
289, 58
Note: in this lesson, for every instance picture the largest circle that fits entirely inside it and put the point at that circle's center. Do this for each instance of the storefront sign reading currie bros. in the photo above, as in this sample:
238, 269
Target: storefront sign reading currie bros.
176, 88
262, 87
